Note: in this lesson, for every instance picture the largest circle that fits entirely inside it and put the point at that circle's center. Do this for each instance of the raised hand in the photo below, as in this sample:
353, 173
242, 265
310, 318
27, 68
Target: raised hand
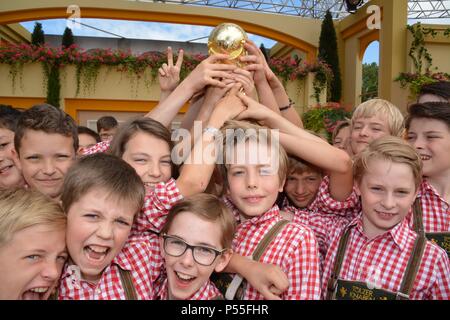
168, 73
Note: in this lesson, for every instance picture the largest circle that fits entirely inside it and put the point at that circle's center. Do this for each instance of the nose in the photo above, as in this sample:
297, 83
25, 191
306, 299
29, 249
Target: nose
419, 143
154, 170
104, 230
388, 201
49, 167
187, 259
300, 189
51, 271
251, 180
364, 131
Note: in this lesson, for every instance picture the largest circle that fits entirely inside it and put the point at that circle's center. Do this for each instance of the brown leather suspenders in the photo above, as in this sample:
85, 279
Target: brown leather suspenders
408, 278
127, 283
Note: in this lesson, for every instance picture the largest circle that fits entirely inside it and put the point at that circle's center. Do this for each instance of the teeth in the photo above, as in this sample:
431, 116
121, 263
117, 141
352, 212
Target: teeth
183, 276
98, 249
39, 290
425, 157
5, 169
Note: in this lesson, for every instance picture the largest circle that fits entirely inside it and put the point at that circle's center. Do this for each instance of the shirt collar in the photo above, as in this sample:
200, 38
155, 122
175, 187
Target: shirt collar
399, 233
199, 295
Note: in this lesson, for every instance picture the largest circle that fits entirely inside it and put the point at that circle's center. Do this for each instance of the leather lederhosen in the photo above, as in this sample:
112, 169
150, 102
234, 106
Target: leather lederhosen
339, 289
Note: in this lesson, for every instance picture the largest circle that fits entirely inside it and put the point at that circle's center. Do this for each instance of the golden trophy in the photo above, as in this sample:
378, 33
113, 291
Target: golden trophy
228, 38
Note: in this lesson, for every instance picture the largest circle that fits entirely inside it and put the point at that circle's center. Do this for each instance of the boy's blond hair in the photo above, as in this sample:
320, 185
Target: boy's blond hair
106, 172
207, 207
392, 149
380, 107
21, 209
251, 132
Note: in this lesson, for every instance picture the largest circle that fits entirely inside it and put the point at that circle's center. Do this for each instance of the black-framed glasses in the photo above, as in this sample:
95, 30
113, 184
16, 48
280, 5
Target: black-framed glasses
203, 255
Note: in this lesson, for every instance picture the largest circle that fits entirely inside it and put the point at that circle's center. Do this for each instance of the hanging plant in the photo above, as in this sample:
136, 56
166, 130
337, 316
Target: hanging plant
422, 61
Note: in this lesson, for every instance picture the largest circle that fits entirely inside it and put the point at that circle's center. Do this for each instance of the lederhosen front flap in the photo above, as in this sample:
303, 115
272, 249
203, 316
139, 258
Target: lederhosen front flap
223, 280
339, 289
442, 239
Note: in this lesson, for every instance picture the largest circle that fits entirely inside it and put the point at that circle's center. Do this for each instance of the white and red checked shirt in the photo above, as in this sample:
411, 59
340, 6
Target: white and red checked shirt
157, 204
325, 214
294, 250
102, 146
140, 255
207, 292
383, 261
436, 211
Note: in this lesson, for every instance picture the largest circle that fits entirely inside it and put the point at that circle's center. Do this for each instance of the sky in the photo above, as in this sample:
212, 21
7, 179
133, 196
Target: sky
165, 31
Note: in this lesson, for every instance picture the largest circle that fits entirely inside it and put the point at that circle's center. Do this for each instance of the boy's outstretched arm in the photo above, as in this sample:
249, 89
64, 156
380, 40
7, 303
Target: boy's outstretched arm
197, 170
206, 73
308, 147
267, 279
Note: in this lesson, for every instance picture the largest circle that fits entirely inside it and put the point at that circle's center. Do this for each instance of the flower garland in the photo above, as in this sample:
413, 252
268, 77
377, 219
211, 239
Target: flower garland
88, 63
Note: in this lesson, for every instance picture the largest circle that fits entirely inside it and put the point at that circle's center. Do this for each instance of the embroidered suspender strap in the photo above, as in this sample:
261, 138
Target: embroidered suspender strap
332, 282
260, 249
268, 238
127, 282
418, 217
412, 268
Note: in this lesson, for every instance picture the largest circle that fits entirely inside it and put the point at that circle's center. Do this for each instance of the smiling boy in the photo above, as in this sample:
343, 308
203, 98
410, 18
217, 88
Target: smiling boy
46, 142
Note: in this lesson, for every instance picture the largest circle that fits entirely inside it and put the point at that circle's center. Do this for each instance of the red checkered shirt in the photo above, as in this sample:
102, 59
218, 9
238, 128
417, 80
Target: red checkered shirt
207, 292
102, 146
325, 214
382, 261
157, 204
140, 255
294, 250
436, 211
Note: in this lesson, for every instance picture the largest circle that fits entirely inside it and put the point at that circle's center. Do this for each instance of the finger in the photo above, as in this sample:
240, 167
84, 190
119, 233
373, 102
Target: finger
222, 66
161, 72
242, 79
254, 67
169, 56
235, 89
269, 295
243, 72
250, 58
216, 57
166, 69
180, 58
275, 290
220, 74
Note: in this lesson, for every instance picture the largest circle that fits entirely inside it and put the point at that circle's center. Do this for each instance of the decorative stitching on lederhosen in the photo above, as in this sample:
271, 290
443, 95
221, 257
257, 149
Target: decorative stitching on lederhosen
408, 278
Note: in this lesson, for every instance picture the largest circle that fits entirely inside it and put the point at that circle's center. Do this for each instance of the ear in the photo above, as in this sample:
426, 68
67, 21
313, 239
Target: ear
223, 260
16, 159
161, 247
281, 188
357, 188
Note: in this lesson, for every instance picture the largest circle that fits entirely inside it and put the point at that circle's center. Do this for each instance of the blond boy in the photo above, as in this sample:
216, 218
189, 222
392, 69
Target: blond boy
32, 245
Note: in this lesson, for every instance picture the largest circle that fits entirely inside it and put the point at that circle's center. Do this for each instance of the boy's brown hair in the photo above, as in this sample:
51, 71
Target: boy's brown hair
339, 126
207, 207
47, 118
430, 110
9, 117
236, 132
392, 149
106, 123
380, 107
103, 171
21, 209
300, 166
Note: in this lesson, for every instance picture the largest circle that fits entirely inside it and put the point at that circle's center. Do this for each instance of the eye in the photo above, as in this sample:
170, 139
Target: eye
266, 171
140, 160
291, 179
33, 257
166, 162
63, 156
91, 216
34, 157
3, 145
204, 250
62, 258
122, 222
411, 138
237, 173
312, 179
376, 189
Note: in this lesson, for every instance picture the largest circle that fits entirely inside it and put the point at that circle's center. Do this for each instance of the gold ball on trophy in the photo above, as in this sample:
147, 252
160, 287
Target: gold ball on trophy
228, 38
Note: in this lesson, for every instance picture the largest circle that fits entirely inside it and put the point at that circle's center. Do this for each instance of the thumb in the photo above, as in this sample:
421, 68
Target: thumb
269, 295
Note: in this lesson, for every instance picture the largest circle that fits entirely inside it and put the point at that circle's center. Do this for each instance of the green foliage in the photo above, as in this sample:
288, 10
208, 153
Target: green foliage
322, 119
370, 81
67, 39
53, 86
37, 37
328, 53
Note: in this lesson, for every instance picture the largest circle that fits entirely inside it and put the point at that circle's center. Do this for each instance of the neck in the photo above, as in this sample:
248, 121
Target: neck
442, 184
371, 231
